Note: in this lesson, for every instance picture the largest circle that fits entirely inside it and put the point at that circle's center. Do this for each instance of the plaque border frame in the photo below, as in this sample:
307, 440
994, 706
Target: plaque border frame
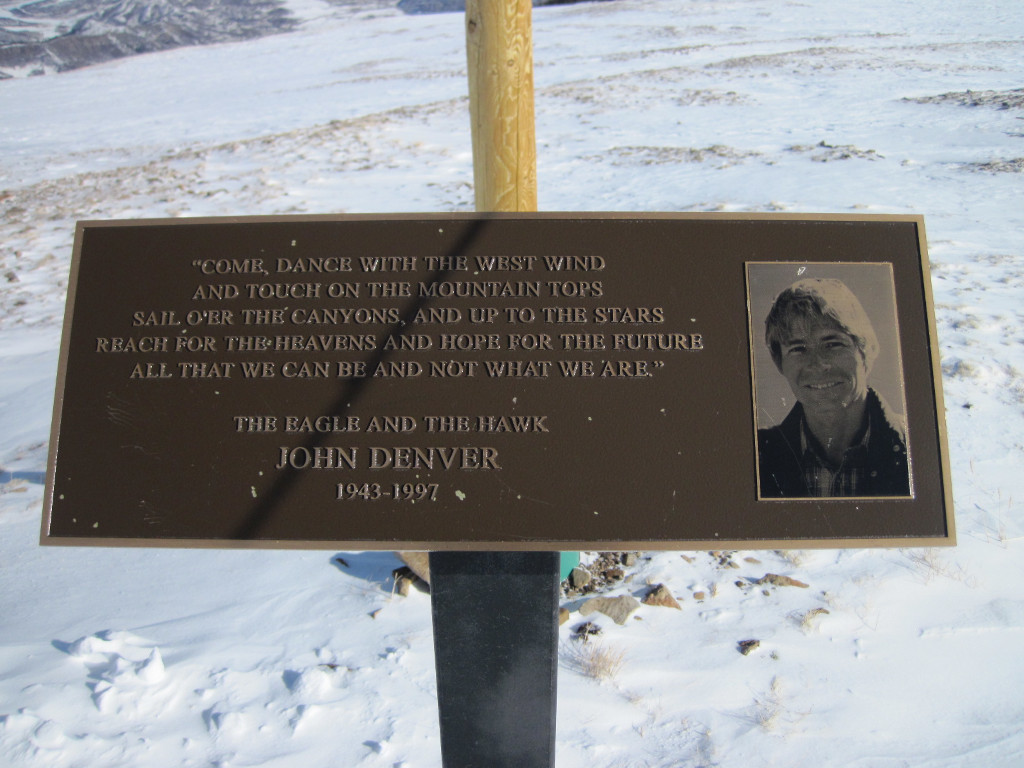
522, 545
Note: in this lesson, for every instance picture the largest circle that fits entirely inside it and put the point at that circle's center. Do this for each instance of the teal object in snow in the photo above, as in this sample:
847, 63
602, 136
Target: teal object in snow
569, 561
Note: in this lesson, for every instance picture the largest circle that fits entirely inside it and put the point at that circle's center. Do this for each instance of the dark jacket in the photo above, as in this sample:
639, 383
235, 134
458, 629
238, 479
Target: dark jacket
779, 460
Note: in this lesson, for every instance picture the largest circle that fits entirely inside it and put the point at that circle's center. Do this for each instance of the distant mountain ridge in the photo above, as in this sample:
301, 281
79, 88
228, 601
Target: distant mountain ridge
43, 36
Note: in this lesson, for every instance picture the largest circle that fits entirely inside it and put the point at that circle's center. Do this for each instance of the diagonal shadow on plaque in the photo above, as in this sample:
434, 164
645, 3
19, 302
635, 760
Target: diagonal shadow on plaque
261, 514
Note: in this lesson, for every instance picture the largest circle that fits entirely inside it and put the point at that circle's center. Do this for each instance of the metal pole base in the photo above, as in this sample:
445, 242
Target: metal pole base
496, 647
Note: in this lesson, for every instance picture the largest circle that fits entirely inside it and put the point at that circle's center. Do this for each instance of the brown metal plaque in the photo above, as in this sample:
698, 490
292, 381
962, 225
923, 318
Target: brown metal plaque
518, 382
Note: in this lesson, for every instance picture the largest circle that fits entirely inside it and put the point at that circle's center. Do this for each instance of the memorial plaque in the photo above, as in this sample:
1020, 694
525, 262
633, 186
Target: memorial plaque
500, 382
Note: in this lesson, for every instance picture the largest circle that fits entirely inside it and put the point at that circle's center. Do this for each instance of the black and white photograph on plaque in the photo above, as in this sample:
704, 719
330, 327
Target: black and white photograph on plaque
828, 394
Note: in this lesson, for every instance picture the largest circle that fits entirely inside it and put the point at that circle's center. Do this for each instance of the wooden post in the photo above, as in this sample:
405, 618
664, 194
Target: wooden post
499, 54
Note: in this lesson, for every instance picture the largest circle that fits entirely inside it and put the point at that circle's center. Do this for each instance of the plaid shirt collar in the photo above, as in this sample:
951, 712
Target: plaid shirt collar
823, 477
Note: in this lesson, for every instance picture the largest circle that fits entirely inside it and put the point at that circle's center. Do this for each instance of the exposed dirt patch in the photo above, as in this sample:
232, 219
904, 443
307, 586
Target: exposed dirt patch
723, 156
1016, 165
808, 59
823, 152
634, 88
1012, 99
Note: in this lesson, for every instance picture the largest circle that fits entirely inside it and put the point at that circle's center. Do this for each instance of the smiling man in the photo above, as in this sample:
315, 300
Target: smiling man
840, 438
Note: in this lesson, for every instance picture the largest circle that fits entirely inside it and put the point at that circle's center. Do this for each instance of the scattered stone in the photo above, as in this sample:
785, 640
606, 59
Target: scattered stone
603, 571
585, 631
687, 558
418, 563
746, 646
618, 609
724, 559
580, 577
629, 559
780, 581
405, 579
563, 616
752, 560
807, 620
699, 596
661, 595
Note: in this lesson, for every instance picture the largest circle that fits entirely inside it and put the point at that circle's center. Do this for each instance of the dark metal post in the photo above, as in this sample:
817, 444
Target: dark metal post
496, 647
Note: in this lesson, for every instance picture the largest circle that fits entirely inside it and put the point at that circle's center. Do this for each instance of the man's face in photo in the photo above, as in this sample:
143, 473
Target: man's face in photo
823, 365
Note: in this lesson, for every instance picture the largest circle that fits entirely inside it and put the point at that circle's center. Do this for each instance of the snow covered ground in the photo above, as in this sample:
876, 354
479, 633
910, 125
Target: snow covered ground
154, 657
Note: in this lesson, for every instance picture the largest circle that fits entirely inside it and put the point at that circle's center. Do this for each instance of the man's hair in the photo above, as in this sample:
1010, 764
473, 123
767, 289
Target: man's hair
821, 300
